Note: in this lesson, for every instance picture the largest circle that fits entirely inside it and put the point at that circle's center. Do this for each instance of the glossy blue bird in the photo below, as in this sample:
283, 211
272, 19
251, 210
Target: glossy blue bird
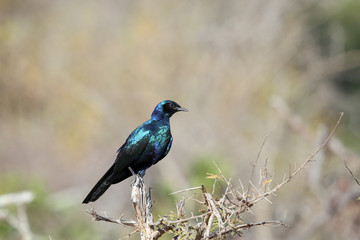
145, 146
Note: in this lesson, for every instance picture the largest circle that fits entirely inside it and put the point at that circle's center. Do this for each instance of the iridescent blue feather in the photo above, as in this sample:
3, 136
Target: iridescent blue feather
145, 146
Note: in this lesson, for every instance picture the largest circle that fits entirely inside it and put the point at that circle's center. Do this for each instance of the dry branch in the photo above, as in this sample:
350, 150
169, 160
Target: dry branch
356, 180
20, 220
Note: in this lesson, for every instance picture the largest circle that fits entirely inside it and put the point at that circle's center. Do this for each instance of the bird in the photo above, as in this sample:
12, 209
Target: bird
145, 146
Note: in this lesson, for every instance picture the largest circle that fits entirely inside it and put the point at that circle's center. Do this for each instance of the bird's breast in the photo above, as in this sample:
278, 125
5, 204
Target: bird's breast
158, 142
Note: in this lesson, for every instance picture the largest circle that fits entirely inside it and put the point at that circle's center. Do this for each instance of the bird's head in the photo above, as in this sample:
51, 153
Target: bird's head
166, 109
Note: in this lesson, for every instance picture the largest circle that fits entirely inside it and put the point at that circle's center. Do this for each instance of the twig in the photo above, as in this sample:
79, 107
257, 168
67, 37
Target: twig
356, 180
180, 220
249, 225
16, 198
98, 217
185, 190
257, 159
320, 148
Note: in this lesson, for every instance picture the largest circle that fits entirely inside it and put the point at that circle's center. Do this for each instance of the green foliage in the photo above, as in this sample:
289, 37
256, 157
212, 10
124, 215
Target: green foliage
6, 231
345, 17
44, 219
202, 166
163, 201
349, 19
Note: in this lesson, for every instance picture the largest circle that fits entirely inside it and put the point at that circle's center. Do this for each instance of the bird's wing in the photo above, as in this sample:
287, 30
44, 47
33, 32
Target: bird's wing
132, 149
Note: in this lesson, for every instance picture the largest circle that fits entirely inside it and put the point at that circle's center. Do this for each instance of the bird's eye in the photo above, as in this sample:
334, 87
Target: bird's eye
172, 105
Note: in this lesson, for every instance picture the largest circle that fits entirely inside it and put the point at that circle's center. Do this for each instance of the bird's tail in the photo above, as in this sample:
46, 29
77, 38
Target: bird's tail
100, 187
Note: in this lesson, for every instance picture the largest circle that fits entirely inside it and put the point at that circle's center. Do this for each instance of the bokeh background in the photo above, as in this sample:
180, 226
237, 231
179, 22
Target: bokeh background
76, 77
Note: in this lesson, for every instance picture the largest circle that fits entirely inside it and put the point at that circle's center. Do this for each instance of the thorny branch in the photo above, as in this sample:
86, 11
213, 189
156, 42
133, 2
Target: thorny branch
219, 217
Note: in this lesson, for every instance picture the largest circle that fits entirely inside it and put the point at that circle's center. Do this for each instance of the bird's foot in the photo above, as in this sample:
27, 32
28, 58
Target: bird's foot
138, 180
141, 173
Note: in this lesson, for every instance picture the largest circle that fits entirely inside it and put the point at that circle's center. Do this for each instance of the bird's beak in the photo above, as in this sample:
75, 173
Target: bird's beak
182, 109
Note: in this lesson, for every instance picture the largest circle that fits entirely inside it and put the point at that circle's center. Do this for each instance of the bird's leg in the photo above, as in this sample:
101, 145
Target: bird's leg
142, 173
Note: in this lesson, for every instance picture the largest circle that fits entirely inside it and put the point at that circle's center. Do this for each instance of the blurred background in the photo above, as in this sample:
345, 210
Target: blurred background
76, 77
